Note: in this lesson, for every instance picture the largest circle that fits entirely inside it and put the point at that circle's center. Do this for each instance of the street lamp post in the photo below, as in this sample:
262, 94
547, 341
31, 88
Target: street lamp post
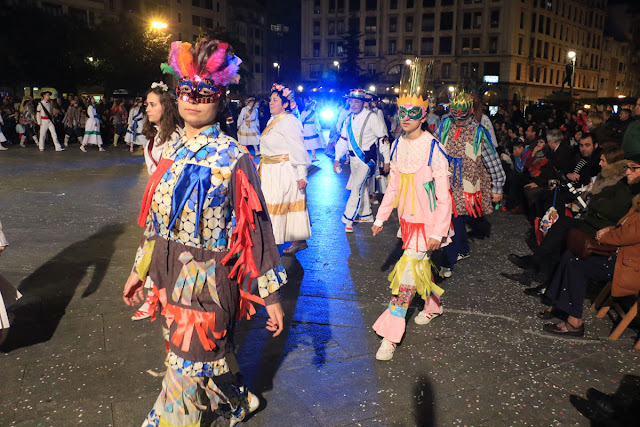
337, 65
277, 65
572, 58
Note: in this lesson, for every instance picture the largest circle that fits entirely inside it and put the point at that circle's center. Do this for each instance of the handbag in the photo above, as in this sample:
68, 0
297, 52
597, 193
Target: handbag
582, 245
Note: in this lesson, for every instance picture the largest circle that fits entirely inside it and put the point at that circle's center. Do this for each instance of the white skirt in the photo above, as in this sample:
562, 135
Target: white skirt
287, 205
2, 137
92, 133
312, 143
248, 136
8, 295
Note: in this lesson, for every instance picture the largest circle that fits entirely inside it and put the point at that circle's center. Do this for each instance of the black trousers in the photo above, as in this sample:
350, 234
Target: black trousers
553, 245
568, 287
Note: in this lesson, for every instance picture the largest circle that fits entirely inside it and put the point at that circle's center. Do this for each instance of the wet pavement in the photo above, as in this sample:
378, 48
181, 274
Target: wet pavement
74, 357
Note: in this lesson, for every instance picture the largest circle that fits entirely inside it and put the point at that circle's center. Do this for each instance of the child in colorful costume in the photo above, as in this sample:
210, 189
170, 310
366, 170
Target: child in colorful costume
208, 234
477, 175
419, 189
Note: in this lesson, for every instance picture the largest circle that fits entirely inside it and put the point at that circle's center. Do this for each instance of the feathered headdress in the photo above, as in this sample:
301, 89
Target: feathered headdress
462, 101
193, 62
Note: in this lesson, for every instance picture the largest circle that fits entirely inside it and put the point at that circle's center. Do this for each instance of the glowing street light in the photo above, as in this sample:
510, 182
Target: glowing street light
451, 89
300, 88
277, 65
158, 25
90, 58
337, 65
372, 88
408, 62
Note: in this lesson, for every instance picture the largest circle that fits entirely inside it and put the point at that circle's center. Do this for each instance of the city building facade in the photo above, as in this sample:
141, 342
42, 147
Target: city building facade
521, 47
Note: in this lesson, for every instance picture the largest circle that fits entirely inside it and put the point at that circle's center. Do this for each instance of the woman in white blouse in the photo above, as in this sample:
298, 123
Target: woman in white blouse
8, 295
283, 171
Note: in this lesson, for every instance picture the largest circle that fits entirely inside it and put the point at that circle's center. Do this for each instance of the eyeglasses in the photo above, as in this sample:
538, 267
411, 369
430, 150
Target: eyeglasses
632, 168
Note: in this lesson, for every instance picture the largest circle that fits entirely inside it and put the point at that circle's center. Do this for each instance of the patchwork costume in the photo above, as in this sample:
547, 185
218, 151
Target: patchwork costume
476, 171
208, 234
359, 137
419, 190
249, 128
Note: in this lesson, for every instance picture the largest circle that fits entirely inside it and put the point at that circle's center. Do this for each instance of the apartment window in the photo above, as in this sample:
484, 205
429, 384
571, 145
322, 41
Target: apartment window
317, 7
393, 4
332, 6
257, 68
195, 3
548, 29
428, 3
195, 20
466, 20
331, 27
370, 47
408, 24
208, 22
410, 4
370, 25
522, 20
257, 50
466, 45
477, 19
518, 71
408, 46
372, 69
495, 19
475, 44
538, 74
392, 46
179, 17
544, 75
208, 4
340, 27
531, 73
316, 28
493, 44
553, 53
340, 48
354, 5
331, 48
464, 69
341, 5
426, 46
539, 49
316, 71
428, 22
371, 5
446, 70
316, 49
541, 24
533, 22
258, 34
393, 24
546, 50
520, 43
446, 20
445, 46
446, 2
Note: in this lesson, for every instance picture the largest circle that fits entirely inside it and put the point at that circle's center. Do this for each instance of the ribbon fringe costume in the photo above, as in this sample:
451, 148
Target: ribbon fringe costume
249, 129
476, 173
283, 162
208, 233
419, 189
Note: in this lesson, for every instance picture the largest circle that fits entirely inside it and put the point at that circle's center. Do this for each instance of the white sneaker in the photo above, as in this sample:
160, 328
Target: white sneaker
463, 256
386, 350
348, 229
83, 149
254, 404
3, 148
60, 149
424, 318
446, 272
367, 219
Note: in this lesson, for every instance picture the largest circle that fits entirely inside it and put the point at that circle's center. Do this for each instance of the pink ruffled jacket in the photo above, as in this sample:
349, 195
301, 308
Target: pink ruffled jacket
419, 191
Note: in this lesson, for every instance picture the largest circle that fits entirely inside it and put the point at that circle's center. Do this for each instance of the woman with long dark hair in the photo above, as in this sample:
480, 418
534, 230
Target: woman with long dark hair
208, 231
163, 128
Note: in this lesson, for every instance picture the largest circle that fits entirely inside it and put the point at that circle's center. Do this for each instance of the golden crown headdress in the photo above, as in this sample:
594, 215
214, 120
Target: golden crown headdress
415, 83
462, 101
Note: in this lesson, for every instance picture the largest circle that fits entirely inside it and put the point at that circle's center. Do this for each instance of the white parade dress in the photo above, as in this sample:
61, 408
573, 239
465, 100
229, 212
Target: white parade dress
311, 130
283, 162
92, 128
249, 127
134, 127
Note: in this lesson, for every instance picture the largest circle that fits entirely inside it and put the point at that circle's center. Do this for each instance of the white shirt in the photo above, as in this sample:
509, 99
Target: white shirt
3, 239
375, 130
286, 138
40, 114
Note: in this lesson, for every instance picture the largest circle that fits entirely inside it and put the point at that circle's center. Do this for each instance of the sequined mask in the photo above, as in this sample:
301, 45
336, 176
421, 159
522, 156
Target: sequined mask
460, 115
200, 91
409, 112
